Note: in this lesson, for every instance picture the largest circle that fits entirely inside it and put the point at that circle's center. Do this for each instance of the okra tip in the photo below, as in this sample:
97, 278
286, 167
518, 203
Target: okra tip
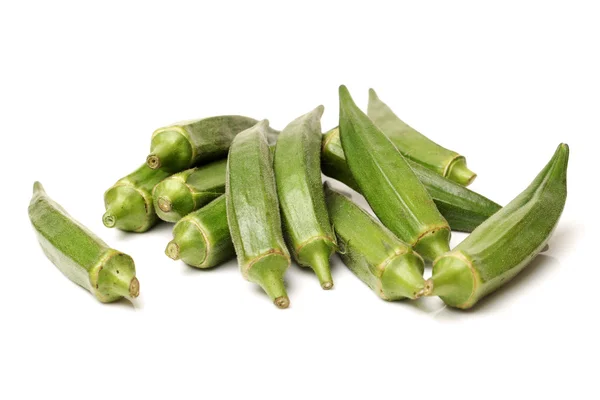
172, 250
38, 188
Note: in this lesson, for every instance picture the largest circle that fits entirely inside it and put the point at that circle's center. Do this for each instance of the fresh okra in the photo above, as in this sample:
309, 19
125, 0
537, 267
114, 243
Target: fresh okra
253, 213
201, 238
128, 202
416, 146
389, 184
181, 146
463, 209
298, 175
504, 244
81, 256
184, 192
387, 265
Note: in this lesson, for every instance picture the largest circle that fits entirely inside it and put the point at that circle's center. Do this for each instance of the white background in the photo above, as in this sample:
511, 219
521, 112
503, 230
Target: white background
82, 87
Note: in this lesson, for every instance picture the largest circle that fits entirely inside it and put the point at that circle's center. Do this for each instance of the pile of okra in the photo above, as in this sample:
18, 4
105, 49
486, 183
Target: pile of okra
234, 186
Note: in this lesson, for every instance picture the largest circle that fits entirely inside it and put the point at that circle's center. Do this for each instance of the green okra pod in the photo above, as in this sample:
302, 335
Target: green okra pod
298, 175
416, 146
81, 256
463, 209
253, 213
389, 184
201, 238
390, 267
504, 244
129, 204
184, 192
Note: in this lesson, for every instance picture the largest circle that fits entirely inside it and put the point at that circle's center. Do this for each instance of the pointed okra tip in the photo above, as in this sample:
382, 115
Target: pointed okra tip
318, 112
38, 188
373, 95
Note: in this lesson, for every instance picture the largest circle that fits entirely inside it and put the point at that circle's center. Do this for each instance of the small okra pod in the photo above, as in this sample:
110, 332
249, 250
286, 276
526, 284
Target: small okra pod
504, 244
301, 199
128, 202
184, 192
463, 209
201, 238
416, 146
390, 267
182, 145
389, 184
81, 256
253, 213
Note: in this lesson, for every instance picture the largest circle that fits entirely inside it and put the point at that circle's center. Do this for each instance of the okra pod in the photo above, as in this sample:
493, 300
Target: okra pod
463, 209
81, 256
387, 265
253, 213
389, 184
129, 204
201, 238
184, 192
504, 244
416, 146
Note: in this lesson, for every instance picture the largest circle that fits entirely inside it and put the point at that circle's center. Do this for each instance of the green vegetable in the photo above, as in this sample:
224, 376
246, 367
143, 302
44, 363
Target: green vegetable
202, 238
129, 201
387, 265
253, 213
300, 191
184, 192
504, 244
389, 184
79, 254
463, 209
180, 146
417, 147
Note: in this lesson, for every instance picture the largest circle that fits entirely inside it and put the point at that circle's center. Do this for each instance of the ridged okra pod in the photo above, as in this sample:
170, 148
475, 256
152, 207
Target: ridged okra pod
181, 193
129, 204
462, 208
504, 244
81, 256
201, 238
183, 145
388, 266
389, 184
416, 146
253, 213
301, 199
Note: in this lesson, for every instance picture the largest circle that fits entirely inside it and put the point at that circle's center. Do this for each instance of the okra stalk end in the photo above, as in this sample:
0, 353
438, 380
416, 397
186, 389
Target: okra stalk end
316, 255
108, 220
171, 151
190, 245
172, 251
433, 244
453, 280
403, 277
458, 172
267, 271
116, 278
126, 209
173, 200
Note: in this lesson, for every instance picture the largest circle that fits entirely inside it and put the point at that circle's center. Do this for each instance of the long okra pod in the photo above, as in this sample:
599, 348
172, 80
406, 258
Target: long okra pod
389, 184
253, 213
504, 244
463, 209
298, 175
81, 256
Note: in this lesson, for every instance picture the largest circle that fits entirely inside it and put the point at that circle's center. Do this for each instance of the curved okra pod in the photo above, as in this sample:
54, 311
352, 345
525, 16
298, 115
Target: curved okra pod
298, 174
253, 213
180, 194
180, 146
129, 201
416, 146
504, 244
201, 238
463, 209
81, 256
387, 265
389, 184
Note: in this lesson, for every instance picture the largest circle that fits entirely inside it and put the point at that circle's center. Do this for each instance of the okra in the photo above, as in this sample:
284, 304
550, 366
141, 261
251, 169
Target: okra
81, 256
201, 238
417, 147
390, 267
253, 213
504, 244
128, 202
182, 145
186, 191
463, 209
389, 184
